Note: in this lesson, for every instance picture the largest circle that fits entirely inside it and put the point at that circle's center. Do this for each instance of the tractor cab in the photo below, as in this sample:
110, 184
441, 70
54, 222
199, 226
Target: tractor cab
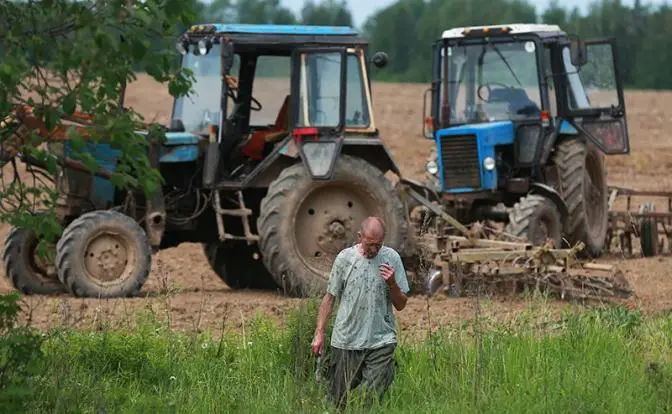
501, 95
258, 86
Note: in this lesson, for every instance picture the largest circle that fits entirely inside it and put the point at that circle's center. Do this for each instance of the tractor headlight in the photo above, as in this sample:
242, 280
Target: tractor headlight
489, 163
431, 167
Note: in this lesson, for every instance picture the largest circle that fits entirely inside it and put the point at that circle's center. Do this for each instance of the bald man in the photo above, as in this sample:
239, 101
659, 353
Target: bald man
367, 279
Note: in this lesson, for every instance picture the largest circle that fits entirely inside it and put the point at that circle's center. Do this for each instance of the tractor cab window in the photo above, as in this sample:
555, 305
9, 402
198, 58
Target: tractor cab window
319, 89
202, 106
491, 81
356, 102
271, 88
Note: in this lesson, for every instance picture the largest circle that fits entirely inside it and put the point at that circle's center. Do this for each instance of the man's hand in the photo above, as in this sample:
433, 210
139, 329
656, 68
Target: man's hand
399, 299
318, 343
387, 272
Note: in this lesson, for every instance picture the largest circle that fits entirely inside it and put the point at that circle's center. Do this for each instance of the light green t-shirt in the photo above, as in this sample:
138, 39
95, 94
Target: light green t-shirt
365, 317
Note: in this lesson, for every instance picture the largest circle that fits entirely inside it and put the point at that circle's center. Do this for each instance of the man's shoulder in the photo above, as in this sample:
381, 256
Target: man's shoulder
390, 253
347, 253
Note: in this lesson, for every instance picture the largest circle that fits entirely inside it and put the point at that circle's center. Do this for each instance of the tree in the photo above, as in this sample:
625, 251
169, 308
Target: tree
263, 12
65, 58
326, 13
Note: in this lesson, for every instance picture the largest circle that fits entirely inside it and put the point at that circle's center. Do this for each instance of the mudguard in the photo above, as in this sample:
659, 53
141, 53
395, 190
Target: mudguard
372, 150
551, 193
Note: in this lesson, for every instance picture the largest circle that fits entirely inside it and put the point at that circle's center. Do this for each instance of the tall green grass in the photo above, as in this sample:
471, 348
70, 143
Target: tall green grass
610, 360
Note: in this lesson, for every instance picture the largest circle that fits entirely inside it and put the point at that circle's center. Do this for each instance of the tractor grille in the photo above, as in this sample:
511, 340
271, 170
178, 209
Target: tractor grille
459, 156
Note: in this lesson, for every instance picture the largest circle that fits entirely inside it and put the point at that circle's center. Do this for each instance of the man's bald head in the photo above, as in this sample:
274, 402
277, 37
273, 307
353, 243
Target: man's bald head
373, 228
371, 236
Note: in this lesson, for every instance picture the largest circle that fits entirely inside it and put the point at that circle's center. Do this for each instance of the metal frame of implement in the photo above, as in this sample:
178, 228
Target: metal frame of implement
464, 261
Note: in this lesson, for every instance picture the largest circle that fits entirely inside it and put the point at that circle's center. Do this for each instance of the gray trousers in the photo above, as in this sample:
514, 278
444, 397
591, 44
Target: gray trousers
374, 369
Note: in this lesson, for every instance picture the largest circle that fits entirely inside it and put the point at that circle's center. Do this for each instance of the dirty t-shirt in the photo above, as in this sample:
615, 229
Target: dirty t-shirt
365, 318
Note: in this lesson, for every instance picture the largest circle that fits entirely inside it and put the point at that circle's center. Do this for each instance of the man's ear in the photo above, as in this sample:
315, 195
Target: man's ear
359, 236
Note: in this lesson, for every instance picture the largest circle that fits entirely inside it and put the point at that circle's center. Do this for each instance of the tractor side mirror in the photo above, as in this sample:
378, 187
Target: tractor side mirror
578, 53
380, 59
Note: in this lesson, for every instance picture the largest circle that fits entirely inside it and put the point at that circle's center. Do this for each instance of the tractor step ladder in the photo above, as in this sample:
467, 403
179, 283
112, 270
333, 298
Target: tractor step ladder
242, 211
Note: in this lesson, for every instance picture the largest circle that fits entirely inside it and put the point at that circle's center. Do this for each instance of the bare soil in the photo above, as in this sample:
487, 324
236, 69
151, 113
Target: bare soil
183, 287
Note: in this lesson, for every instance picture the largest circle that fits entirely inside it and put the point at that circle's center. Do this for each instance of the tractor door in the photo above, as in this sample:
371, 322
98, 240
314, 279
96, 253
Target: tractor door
318, 106
594, 95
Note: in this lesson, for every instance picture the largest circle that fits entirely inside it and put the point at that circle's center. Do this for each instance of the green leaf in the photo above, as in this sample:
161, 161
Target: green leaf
69, 104
139, 48
89, 161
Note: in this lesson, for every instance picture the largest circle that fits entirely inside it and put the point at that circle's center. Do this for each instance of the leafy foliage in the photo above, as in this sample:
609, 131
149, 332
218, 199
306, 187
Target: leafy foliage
64, 58
21, 355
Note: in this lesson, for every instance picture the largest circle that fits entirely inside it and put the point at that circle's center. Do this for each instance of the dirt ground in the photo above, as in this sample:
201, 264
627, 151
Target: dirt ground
198, 299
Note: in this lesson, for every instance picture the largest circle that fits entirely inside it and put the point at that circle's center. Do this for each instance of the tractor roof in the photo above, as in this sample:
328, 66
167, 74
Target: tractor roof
279, 34
542, 30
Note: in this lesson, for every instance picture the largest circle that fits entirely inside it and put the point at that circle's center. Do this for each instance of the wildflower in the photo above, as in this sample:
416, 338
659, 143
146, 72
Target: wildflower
172, 378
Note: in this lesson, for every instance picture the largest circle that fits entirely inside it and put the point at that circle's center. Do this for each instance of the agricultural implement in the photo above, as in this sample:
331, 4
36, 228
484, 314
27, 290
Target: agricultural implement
644, 223
478, 259
272, 195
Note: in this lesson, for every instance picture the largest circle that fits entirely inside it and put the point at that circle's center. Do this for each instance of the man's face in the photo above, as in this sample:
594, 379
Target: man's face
370, 244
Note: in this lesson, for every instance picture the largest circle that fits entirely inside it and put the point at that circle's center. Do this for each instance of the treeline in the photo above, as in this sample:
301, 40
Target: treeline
407, 28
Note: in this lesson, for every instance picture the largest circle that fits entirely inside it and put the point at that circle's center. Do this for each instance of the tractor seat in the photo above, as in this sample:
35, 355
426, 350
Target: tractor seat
255, 145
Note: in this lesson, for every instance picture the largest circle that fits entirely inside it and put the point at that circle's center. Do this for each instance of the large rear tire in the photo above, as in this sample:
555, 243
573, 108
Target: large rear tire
237, 268
104, 254
536, 219
305, 223
583, 185
28, 273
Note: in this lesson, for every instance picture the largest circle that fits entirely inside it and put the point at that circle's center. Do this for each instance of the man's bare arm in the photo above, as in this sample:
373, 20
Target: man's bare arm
399, 298
324, 312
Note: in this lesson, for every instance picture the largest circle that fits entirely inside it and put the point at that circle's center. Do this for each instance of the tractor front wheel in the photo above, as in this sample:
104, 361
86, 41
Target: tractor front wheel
103, 254
305, 223
536, 219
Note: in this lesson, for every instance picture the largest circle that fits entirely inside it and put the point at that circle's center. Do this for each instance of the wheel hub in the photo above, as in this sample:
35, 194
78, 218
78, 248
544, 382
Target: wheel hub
326, 221
106, 258
334, 236
337, 228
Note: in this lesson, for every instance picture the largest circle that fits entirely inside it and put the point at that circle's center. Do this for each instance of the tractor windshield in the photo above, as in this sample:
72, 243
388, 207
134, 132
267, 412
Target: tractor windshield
490, 81
202, 106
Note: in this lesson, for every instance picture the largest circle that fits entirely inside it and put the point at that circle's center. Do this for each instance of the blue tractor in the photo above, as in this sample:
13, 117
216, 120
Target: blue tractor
522, 116
271, 164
